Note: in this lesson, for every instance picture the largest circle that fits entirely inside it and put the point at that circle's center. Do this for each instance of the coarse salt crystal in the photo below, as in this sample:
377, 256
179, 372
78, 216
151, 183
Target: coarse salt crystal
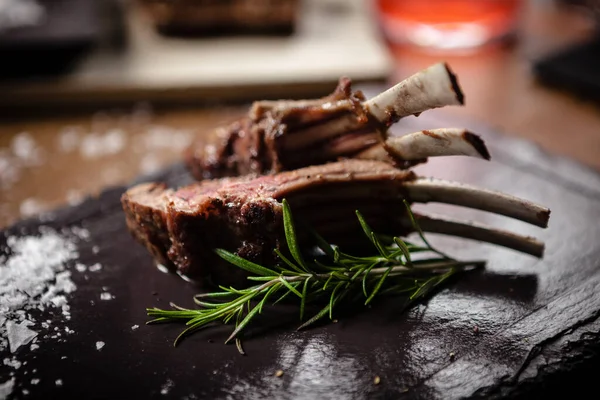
6, 388
58, 301
58, 382
74, 197
30, 207
105, 296
18, 335
133, 328
94, 268
99, 345
33, 276
68, 139
80, 267
13, 363
166, 387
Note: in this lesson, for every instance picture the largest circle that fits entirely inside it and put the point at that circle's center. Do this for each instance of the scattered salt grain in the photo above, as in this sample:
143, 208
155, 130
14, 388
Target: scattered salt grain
58, 382
18, 335
13, 363
95, 249
133, 328
34, 276
96, 145
81, 233
26, 149
35, 381
74, 197
162, 137
68, 139
59, 301
95, 268
166, 387
30, 207
105, 296
149, 164
99, 345
80, 267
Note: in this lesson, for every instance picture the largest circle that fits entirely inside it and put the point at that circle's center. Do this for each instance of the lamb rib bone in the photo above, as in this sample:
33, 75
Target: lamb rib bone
243, 215
284, 135
428, 143
475, 231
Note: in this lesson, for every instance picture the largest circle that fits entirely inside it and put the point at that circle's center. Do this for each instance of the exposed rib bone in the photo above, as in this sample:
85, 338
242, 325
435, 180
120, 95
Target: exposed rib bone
283, 135
430, 88
434, 190
471, 230
437, 142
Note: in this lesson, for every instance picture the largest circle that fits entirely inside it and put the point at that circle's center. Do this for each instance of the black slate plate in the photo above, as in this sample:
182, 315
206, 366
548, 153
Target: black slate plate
537, 321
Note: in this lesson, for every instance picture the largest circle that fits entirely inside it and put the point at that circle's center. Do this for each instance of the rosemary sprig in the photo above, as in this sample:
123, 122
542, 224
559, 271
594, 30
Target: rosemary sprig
398, 268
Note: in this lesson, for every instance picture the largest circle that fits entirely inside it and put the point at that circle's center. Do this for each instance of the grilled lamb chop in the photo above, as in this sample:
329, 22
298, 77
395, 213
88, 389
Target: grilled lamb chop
284, 135
181, 228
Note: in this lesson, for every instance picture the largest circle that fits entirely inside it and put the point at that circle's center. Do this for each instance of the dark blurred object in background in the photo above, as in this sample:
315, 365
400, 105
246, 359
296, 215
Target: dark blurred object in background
592, 7
47, 37
217, 17
576, 68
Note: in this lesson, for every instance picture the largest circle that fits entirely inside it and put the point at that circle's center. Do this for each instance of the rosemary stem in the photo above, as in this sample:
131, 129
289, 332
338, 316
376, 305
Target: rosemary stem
400, 269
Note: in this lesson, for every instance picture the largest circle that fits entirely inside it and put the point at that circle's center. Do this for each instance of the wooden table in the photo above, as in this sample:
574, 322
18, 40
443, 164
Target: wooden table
62, 158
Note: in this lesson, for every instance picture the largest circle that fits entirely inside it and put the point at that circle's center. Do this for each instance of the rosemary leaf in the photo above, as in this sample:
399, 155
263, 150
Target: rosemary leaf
289, 263
378, 285
333, 297
271, 290
418, 229
303, 300
391, 270
290, 287
323, 311
365, 277
379, 246
290, 233
243, 324
404, 249
238, 344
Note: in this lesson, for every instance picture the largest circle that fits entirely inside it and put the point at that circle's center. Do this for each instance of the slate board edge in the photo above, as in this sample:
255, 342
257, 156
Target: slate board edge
576, 358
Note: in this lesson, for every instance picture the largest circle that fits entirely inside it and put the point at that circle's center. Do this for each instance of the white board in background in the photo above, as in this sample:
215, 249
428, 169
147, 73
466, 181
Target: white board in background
334, 38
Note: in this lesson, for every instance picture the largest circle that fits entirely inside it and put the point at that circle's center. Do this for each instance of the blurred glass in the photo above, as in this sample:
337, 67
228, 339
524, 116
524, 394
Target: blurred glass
448, 24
